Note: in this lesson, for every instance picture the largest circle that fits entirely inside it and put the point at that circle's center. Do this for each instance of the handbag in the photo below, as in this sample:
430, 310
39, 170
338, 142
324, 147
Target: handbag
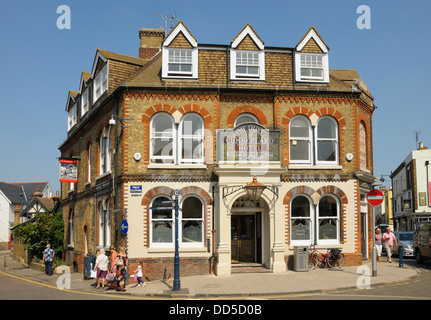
119, 261
111, 277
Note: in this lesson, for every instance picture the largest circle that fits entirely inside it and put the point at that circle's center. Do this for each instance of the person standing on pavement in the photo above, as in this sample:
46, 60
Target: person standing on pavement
121, 270
101, 267
48, 257
388, 240
378, 243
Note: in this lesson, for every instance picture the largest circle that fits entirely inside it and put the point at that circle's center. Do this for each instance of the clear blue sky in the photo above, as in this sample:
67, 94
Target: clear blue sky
41, 63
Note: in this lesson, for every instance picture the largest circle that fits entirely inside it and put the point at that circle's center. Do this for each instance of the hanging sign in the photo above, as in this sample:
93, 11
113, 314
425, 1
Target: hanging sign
68, 170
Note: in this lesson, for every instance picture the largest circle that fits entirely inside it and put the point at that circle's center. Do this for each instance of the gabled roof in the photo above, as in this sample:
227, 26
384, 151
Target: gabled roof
180, 27
149, 75
39, 204
12, 193
105, 55
312, 34
85, 77
71, 99
247, 31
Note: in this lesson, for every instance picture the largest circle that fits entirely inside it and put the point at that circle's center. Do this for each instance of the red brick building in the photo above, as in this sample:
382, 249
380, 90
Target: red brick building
204, 119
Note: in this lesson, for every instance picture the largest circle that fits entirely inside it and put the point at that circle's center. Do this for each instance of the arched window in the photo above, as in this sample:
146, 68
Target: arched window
301, 221
327, 141
190, 223
104, 224
162, 138
362, 145
328, 220
105, 151
245, 118
162, 224
191, 139
300, 136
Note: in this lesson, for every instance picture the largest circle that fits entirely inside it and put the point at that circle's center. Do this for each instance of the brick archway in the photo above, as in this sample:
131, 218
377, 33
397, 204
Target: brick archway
243, 109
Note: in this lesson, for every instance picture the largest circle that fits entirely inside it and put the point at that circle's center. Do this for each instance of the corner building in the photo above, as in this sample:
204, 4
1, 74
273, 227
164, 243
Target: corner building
204, 119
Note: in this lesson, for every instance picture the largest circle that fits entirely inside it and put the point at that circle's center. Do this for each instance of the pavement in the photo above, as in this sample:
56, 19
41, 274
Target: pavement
264, 285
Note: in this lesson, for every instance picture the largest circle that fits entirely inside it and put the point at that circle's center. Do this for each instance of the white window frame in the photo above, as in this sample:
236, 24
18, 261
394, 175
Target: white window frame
324, 67
311, 219
84, 103
171, 220
200, 136
72, 119
181, 219
315, 219
105, 151
100, 84
335, 140
247, 76
337, 218
163, 135
104, 224
193, 74
292, 139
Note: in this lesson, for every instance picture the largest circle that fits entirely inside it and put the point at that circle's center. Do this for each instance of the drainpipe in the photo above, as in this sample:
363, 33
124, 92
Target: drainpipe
213, 231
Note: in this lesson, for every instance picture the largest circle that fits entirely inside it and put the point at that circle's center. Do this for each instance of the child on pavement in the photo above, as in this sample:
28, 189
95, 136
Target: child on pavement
138, 273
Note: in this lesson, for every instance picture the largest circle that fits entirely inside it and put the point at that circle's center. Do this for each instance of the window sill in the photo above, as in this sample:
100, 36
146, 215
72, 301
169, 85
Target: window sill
103, 175
314, 167
183, 250
177, 166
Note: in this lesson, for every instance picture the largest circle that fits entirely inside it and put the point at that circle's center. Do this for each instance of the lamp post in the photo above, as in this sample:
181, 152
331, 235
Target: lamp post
177, 283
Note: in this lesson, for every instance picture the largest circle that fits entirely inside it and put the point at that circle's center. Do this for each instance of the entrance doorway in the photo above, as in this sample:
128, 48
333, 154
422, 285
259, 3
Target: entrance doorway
246, 238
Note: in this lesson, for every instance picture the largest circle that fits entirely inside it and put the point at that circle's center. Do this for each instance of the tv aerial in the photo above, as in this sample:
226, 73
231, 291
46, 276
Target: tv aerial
170, 21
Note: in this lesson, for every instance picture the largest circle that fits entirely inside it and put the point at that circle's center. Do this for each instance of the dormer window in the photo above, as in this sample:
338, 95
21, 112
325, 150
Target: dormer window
84, 103
100, 84
180, 54
311, 59
311, 67
247, 64
247, 56
180, 61
71, 117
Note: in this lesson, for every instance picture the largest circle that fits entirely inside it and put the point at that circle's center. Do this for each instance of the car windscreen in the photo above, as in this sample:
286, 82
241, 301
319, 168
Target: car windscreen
406, 237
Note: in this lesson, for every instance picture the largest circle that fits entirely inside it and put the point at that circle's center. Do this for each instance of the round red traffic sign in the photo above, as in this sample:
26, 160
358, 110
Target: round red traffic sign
375, 197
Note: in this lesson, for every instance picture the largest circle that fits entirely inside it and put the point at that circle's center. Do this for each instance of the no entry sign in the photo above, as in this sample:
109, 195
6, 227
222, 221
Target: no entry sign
375, 197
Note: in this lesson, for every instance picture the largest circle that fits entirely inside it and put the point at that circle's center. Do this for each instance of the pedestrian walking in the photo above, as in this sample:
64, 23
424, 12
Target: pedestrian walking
138, 274
121, 270
378, 243
388, 240
48, 257
101, 267
111, 278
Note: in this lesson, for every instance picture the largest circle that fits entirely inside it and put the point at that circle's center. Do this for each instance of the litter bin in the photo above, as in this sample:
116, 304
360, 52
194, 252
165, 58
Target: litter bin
300, 259
89, 262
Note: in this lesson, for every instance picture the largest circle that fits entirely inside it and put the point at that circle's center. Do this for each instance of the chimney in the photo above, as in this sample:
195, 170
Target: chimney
38, 194
17, 213
151, 42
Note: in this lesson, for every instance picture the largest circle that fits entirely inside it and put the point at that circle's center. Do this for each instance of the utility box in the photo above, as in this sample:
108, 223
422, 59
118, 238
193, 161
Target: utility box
300, 259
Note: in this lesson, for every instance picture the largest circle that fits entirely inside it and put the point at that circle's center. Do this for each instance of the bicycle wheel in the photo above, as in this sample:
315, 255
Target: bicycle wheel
336, 263
312, 261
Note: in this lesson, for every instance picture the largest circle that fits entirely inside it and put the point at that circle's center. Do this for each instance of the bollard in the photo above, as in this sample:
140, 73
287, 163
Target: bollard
400, 252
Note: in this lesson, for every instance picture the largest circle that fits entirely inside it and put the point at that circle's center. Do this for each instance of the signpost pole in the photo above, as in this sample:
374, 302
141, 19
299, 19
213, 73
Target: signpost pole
375, 198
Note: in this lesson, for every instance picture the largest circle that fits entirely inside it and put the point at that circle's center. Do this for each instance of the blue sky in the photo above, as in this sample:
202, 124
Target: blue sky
41, 63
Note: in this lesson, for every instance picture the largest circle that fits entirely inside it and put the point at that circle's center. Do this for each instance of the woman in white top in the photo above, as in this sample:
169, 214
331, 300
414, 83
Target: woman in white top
102, 268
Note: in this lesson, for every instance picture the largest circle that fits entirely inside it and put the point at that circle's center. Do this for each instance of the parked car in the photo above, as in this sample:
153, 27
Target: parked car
422, 241
404, 239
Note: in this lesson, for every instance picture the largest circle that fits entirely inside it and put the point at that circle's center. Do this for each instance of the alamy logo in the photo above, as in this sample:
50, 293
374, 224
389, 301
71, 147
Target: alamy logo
64, 20
364, 20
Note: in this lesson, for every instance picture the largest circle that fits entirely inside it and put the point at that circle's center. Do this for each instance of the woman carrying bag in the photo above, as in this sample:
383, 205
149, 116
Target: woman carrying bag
121, 265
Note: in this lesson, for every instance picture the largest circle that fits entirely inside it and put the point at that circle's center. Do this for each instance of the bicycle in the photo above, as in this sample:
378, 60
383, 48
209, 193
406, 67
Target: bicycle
334, 258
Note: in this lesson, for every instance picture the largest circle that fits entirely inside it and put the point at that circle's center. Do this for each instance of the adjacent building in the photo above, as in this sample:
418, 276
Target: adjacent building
198, 122
411, 190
